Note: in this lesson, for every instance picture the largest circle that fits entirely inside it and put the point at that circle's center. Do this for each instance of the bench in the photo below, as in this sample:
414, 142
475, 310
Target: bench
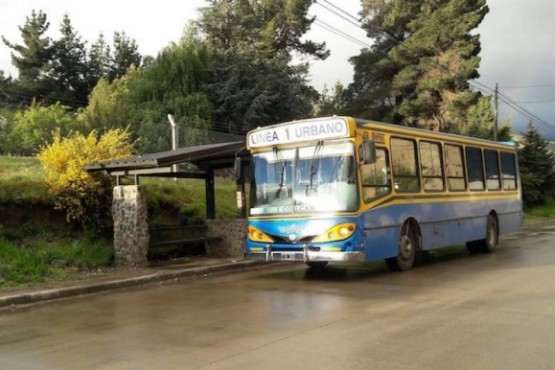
177, 236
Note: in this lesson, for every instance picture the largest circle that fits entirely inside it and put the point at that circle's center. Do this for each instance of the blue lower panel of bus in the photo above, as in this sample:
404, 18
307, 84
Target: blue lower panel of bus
378, 230
441, 223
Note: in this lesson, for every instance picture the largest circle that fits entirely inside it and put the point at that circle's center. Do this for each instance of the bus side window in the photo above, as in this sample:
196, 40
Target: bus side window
454, 168
475, 168
431, 168
403, 160
375, 177
508, 170
492, 170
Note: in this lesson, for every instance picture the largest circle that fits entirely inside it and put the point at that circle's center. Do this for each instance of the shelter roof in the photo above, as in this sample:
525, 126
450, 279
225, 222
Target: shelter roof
203, 156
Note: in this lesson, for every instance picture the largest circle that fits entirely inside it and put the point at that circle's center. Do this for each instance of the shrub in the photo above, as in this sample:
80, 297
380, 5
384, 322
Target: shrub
85, 198
35, 127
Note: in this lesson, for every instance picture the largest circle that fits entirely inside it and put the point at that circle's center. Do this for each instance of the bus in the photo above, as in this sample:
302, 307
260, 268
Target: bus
340, 189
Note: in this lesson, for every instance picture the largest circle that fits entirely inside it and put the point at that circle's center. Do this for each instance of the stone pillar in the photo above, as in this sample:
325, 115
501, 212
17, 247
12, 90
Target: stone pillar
233, 233
131, 236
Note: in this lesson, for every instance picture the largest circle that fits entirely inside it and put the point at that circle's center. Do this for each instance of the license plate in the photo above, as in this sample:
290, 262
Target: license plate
287, 256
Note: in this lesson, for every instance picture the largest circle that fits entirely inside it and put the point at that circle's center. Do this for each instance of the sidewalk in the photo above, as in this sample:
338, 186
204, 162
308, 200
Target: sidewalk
121, 278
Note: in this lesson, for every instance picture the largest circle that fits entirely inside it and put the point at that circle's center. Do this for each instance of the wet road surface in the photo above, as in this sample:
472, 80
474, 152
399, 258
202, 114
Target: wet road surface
457, 311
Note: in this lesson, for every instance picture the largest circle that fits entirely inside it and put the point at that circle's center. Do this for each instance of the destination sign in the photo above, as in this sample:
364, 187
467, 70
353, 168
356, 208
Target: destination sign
298, 131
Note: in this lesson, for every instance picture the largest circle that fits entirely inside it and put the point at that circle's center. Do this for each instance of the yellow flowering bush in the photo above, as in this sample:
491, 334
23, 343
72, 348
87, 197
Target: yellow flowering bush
86, 198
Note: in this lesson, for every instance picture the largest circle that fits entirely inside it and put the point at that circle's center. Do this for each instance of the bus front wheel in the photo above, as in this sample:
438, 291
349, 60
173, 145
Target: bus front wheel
406, 251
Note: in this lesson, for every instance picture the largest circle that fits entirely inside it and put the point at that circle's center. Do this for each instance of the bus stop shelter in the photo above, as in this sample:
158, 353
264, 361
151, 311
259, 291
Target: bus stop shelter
129, 210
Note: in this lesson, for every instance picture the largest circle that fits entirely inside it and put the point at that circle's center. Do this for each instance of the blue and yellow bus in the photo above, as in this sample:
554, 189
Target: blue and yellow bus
345, 189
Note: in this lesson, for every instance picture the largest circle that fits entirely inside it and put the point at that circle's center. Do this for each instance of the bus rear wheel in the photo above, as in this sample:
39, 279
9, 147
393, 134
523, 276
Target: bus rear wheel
407, 249
488, 244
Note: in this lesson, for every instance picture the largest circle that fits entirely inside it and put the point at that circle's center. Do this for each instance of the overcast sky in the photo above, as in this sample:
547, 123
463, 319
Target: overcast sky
517, 40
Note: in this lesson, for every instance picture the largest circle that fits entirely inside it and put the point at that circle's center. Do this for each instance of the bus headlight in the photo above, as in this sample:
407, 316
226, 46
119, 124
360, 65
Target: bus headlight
258, 236
338, 232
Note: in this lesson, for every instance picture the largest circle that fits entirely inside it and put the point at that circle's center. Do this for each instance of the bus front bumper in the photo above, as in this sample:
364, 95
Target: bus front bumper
305, 255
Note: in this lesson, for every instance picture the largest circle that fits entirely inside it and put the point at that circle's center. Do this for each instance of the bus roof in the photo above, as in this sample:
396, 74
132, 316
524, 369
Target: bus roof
344, 126
429, 134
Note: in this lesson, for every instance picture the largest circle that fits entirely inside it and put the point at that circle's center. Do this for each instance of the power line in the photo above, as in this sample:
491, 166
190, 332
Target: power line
536, 101
339, 15
340, 33
343, 11
337, 31
528, 86
510, 102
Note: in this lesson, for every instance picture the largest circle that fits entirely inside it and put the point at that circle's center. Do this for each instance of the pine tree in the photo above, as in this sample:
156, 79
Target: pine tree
332, 102
32, 59
536, 163
6, 95
125, 54
98, 61
424, 55
481, 120
69, 68
253, 82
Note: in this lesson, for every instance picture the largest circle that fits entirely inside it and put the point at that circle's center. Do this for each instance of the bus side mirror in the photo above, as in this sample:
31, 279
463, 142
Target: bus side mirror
368, 152
238, 168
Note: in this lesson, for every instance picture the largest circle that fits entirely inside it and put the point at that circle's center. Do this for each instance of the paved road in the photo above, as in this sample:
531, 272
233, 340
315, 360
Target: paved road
456, 312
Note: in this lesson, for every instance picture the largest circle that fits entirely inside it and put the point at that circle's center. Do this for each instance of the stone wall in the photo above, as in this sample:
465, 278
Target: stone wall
233, 233
131, 237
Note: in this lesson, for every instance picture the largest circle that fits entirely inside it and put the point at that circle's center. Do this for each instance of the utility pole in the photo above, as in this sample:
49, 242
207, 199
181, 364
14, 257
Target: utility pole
496, 105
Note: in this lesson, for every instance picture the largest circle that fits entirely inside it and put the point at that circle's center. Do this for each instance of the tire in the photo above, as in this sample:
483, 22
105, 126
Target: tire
317, 264
488, 244
406, 251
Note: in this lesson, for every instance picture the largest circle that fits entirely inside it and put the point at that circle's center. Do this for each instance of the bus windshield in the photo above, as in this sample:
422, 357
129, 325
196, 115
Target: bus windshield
316, 178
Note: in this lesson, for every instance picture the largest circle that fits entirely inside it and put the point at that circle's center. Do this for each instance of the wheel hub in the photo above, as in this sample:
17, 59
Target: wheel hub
405, 247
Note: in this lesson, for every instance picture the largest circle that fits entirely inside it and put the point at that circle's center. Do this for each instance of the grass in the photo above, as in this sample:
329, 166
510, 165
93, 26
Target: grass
184, 200
33, 252
540, 213
21, 181
40, 260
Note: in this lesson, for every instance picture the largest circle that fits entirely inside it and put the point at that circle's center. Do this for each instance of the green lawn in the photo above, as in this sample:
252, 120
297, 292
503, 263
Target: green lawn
540, 213
34, 252
21, 181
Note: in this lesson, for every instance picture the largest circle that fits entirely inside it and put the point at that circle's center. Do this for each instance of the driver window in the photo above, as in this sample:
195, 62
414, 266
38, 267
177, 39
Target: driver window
376, 179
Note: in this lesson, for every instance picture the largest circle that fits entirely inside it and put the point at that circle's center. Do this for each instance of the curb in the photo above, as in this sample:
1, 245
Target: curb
25, 298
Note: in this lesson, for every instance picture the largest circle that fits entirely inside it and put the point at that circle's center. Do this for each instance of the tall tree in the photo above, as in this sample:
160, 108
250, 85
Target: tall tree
428, 53
6, 95
33, 58
253, 80
69, 69
332, 102
481, 122
537, 173
173, 83
125, 54
98, 61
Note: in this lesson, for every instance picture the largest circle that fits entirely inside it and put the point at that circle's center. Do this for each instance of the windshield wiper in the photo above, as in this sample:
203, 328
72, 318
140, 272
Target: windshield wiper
283, 164
315, 164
